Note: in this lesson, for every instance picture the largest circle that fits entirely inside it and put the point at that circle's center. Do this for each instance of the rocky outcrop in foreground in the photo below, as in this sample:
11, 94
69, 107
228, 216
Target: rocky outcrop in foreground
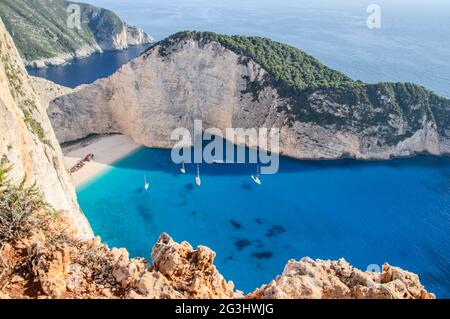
324, 279
64, 267
58, 265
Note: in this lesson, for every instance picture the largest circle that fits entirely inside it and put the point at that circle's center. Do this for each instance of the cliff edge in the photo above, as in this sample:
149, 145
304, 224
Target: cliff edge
27, 141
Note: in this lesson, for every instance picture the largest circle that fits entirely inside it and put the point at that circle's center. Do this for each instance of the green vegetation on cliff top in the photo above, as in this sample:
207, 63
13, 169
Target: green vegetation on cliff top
296, 75
288, 66
40, 30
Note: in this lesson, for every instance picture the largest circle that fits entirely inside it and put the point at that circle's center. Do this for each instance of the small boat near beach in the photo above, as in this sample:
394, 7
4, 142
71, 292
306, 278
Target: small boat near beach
198, 181
256, 178
146, 184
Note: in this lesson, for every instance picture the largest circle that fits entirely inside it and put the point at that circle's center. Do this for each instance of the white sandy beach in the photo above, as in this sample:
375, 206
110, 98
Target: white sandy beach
106, 150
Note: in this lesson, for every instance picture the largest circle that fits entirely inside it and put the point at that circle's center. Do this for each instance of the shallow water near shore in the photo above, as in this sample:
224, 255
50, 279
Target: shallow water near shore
368, 212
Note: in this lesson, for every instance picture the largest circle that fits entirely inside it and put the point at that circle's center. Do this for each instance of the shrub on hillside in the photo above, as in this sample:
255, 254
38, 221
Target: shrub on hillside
18, 207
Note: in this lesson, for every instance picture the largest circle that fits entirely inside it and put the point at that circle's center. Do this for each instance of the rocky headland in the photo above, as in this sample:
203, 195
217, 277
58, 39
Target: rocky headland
46, 35
241, 82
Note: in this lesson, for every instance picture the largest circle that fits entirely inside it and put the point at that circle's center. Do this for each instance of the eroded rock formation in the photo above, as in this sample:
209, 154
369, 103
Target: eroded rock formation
192, 271
64, 267
324, 279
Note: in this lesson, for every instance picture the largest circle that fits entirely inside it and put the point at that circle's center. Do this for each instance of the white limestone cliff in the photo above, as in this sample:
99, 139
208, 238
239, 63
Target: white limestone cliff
155, 93
27, 140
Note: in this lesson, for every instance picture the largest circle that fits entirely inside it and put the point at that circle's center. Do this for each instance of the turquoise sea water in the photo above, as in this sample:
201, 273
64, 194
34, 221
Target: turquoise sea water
368, 212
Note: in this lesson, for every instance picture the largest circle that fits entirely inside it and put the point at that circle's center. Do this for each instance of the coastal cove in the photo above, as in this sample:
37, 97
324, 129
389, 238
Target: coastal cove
368, 212
277, 156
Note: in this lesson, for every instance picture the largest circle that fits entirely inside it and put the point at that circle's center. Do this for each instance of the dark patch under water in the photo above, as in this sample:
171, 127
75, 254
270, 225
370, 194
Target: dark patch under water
259, 243
259, 221
235, 224
275, 231
242, 243
442, 188
262, 255
146, 216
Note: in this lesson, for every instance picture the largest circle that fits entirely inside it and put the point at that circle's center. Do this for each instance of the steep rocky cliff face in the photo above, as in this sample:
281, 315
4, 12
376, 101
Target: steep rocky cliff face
47, 91
43, 36
321, 113
27, 140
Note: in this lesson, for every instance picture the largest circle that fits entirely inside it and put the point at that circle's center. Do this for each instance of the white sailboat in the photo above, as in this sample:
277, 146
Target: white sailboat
182, 169
198, 181
146, 184
256, 178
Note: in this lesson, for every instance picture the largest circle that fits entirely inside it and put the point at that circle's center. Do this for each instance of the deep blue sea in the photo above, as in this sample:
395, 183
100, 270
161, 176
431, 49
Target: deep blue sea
85, 71
412, 45
368, 212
